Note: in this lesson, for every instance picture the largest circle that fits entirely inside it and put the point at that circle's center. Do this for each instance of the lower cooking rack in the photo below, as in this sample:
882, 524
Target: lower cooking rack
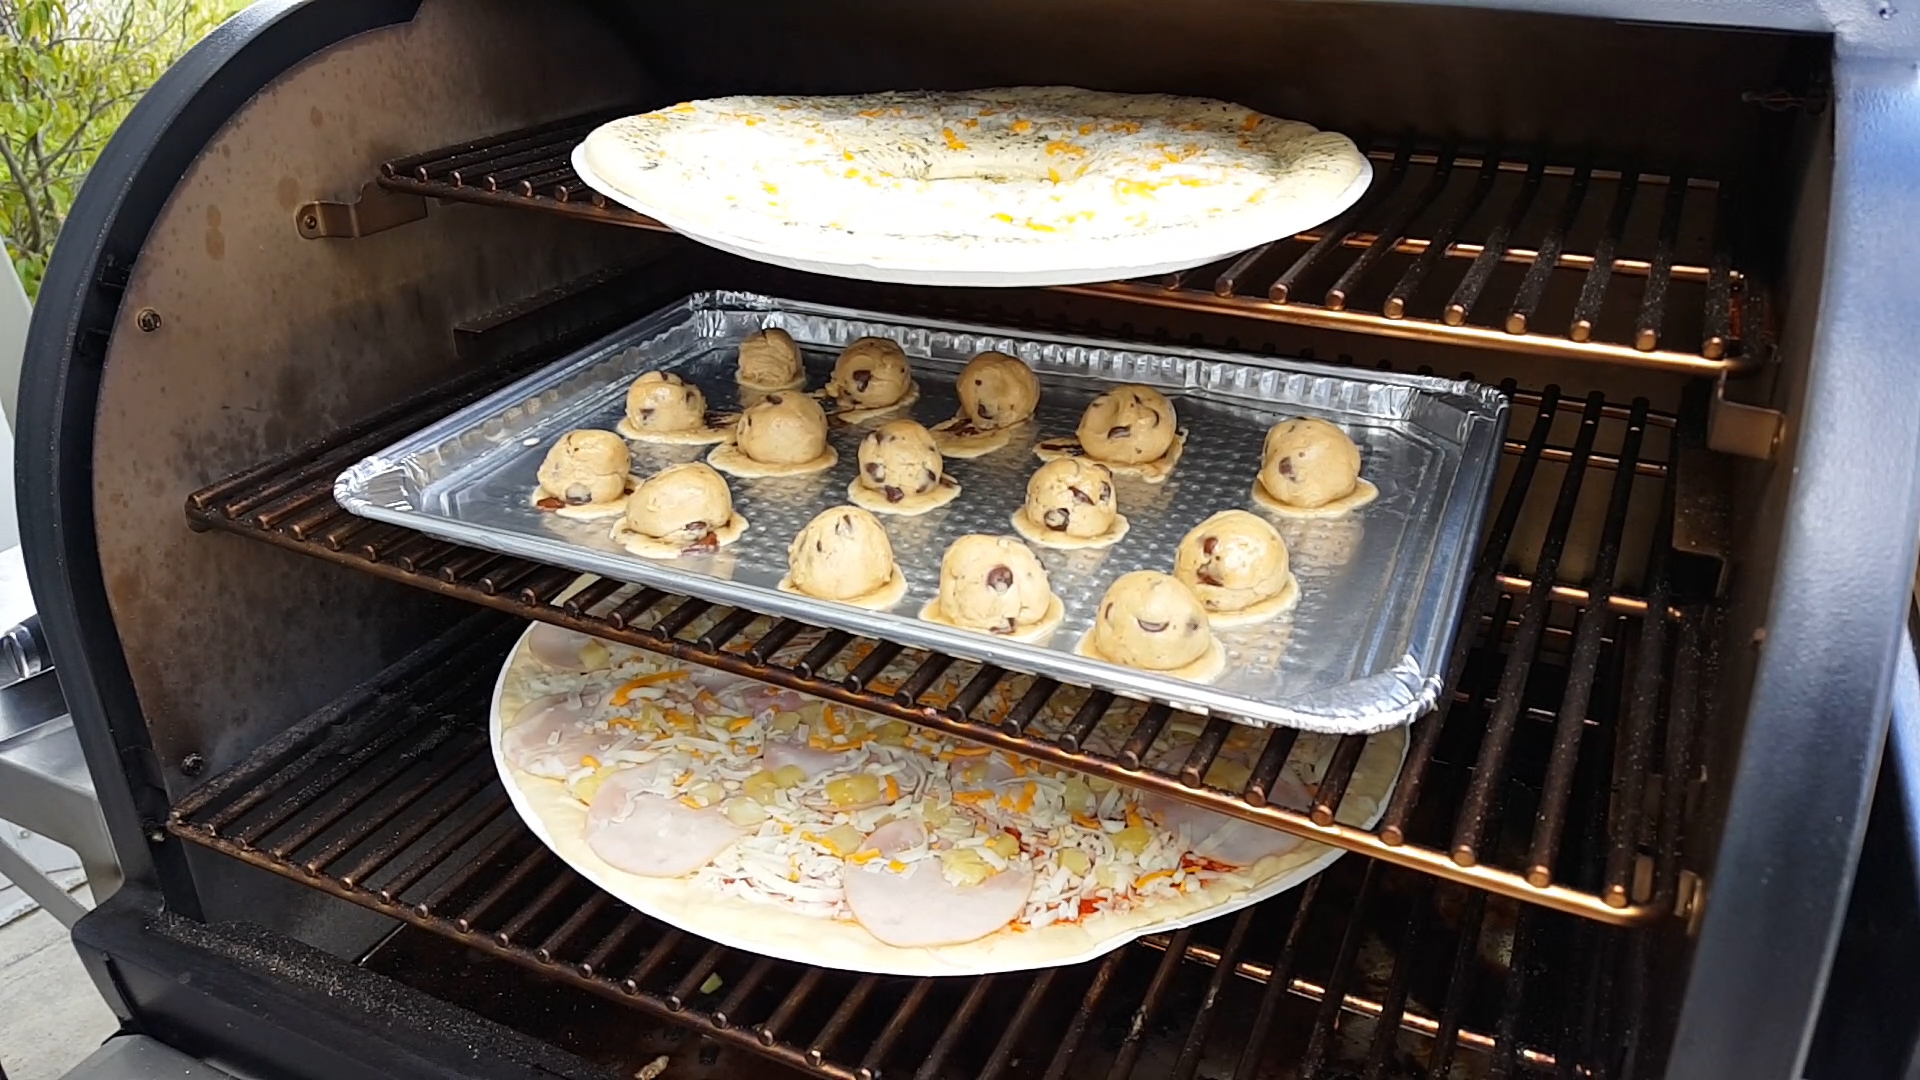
1549, 678
388, 799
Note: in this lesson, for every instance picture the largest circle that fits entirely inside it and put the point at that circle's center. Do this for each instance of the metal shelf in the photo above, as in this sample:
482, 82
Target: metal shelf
1450, 247
1545, 684
388, 799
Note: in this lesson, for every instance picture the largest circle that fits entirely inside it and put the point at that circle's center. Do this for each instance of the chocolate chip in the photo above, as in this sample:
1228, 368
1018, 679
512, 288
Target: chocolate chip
1107, 612
1120, 432
1106, 492
695, 527
646, 414
1007, 627
819, 546
1193, 626
892, 493
844, 526
579, 495
1206, 575
774, 399
690, 394
1207, 545
1080, 497
550, 503
1153, 415
1000, 578
984, 411
933, 478
861, 379
876, 470
1286, 467
1056, 519
708, 543
1151, 627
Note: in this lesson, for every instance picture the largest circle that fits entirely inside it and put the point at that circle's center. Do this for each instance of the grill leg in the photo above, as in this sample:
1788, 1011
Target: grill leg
15, 868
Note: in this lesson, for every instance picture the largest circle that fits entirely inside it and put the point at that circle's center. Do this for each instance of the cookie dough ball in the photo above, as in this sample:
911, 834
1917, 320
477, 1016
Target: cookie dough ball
1129, 425
997, 390
1232, 561
660, 401
586, 466
1149, 620
1308, 462
899, 459
769, 360
871, 374
993, 583
783, 429
842, 554
1073, 496
687, 500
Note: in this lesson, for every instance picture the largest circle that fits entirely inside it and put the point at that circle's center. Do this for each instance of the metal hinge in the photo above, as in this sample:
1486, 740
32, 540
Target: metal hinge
1747, 430
375, 210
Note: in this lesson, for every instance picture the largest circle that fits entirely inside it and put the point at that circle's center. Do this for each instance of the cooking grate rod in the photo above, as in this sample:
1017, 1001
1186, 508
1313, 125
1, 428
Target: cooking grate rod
530, 170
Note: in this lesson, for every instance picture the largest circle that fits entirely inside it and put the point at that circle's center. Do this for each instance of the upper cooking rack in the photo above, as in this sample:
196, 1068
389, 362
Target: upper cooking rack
1488, 250
1500, 749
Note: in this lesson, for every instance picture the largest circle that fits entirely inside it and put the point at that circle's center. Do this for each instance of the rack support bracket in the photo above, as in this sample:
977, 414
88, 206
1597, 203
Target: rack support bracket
375, 210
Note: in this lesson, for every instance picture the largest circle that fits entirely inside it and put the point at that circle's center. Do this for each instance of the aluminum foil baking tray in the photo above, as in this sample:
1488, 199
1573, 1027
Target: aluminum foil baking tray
1380, 588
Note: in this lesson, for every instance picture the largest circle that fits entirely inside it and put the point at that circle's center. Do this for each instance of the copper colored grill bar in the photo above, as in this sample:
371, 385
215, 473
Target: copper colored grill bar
529, 169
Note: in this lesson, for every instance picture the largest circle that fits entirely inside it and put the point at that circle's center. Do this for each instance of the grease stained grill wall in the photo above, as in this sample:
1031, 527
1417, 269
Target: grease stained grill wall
1536, 826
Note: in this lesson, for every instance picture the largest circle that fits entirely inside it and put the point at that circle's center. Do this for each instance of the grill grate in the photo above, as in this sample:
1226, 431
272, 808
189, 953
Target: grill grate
388, 799
1618, 266
1546, 679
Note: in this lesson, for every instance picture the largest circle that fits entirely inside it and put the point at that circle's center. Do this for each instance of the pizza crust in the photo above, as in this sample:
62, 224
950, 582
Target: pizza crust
1204, 670
1153, 472
1259, 611
653, 547
1363, 493
1035, 533
942, 493
1037, 632
728, 458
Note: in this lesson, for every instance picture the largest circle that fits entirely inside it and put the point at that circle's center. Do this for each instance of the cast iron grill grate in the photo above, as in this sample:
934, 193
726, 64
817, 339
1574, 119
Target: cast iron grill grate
1488, 249
1555, 673
388, 799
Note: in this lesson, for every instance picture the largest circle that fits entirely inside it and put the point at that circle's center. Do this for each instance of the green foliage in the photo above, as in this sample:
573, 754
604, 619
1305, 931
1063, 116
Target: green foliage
69, 72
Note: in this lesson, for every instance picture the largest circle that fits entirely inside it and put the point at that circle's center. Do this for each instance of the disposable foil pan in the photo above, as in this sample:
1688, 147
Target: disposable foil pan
1380, 588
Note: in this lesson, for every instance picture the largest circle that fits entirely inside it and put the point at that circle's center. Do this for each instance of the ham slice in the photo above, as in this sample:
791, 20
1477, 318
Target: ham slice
550, 735
651, 835
1228, 839
567, 650
776, 755
921, 908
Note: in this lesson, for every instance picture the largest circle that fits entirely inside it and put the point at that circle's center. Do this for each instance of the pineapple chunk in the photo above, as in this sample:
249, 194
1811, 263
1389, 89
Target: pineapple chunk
761, 787
787, 776
745, 812
586, 786
707, 792
1075, 861
1100, 784
1004, 845
964, 866
786, 722
936, 816
1133, 839
860, 789
842, 840
1078, 796
1230, 775
893, 732
1109, 876
594, 655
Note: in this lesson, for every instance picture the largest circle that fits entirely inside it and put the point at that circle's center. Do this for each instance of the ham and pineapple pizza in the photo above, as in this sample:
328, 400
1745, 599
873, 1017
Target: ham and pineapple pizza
774, 822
